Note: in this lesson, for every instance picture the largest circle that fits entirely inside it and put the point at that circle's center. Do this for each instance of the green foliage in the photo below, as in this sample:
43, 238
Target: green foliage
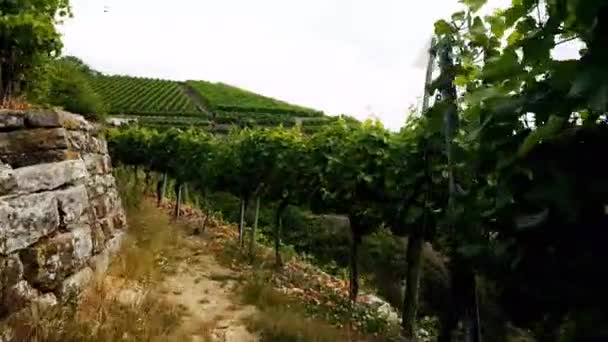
69, 88
28, 34
502, 180
251, 119
143, 96
81, 65
224, 97
167, 122
528, 126
349, 162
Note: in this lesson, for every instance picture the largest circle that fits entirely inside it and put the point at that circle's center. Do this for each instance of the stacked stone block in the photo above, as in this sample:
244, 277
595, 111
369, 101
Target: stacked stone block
60, 213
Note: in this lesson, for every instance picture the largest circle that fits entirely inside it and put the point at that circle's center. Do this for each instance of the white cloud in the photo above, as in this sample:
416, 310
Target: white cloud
341, 56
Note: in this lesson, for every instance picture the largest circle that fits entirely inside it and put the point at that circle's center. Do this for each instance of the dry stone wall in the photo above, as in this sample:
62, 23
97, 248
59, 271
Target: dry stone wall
60, 214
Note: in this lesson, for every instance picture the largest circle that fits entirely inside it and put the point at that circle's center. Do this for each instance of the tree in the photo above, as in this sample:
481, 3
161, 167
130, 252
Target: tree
80, 65
350, 165
243, 162
416, 197
27, 34
290, 175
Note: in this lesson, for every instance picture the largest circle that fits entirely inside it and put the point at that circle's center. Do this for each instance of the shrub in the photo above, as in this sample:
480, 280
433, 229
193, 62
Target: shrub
69, 88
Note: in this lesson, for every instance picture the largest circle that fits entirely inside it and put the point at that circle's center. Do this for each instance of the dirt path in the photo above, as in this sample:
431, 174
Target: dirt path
205, 288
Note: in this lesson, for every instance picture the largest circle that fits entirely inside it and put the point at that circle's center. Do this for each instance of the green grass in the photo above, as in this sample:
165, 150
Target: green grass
225, 97
280, 318
143, 96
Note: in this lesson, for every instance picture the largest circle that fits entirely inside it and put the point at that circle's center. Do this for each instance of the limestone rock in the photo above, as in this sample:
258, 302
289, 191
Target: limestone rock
99, 185
7, 179
83, 244
25, 219
74, 284
97, 164
75, 122
11, 120
120, 221
57, 118
46, 118
98, 237
49, 176
73, 204
97, 145
39, 157
78, 141
58, 205
102, 206
86, 142
107, 226
107, 162
100, 262
32, 140
382, 307
114, 244
48, 263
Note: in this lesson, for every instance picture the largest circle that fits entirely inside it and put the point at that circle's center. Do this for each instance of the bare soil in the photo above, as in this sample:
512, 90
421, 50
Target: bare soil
206, 290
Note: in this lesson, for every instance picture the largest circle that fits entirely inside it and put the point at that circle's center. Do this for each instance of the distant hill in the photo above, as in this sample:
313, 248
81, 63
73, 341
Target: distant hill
163, 104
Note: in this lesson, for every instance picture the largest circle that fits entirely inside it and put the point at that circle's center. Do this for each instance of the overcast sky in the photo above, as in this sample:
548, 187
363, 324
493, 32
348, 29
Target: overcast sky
355, 57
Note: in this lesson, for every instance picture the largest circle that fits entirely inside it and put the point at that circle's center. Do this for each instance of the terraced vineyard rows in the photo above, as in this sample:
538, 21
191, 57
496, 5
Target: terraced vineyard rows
144, 96
223, 97
168, 121
162, 104
260, 119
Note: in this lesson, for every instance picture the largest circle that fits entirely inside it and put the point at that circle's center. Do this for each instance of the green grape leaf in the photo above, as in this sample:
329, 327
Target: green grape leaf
458, 16
474, 5
537, 49
514, 38
461, 80
443, 27
471, 250
478, 32
537, 136
599, 100
582, 83
513, 14
497, 25
502, 66
481, 94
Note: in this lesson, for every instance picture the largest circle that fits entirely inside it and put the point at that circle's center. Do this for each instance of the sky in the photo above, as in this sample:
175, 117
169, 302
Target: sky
363, 58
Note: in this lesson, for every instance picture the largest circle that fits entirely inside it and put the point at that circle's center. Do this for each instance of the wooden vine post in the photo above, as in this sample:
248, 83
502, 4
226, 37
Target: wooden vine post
254, 228
460, 270
416, 239
243, 210
178, 198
